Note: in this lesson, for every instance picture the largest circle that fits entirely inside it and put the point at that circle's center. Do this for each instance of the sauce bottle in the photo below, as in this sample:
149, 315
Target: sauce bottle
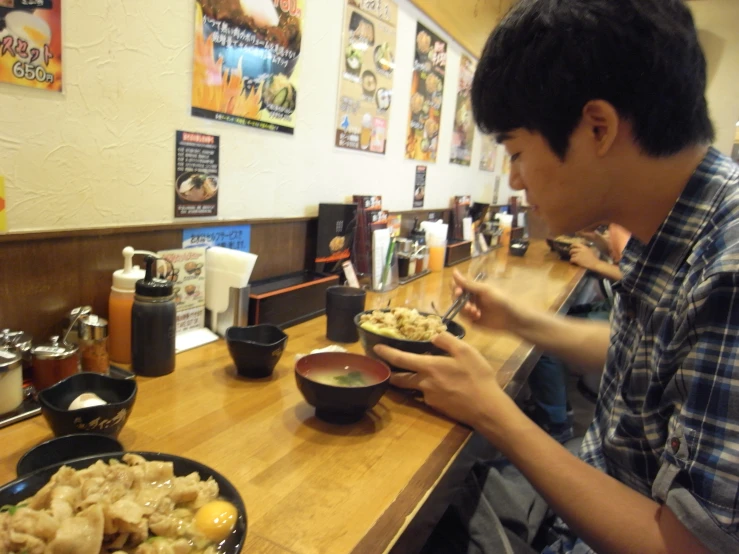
120, 304
153, 321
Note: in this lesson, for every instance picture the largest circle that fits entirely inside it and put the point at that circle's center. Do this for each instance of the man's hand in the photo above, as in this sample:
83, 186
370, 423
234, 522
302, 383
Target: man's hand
462, 386
583, 256
487, 307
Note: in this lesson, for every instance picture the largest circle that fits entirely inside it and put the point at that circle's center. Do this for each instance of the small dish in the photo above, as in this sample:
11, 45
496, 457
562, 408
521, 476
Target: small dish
255, 350
518, 247
109, 419
62, 449
341, 386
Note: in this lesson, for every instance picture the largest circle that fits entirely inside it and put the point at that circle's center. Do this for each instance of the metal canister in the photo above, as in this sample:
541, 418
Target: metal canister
11, 381
94, 344
54, 361
73, 323
21, 343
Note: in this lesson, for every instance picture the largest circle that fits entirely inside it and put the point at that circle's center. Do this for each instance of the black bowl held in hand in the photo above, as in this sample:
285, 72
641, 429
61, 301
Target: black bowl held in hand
369, 340
108, 419
255, 350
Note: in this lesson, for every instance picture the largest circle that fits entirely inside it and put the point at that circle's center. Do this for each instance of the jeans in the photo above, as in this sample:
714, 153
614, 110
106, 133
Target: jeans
495, 510
548, 379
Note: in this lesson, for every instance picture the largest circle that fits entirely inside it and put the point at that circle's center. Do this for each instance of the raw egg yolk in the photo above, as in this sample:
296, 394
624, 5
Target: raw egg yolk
216, 519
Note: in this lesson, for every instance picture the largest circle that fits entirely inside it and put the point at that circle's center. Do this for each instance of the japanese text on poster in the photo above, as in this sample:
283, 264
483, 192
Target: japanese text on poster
366, 75
31, 43
427, 91
464, 125
235, 237
419, 187
246, 62
196, 175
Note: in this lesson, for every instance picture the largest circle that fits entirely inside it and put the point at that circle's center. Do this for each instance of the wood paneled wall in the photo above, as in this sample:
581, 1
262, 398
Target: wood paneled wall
44, 275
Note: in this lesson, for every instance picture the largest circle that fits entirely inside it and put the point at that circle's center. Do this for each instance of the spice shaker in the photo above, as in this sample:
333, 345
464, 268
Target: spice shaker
54, 361
93, 341
153, 320
11, 381
72, 323
20, 343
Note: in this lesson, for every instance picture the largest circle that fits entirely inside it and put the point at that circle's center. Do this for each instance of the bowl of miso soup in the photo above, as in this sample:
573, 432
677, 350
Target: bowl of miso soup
341, 386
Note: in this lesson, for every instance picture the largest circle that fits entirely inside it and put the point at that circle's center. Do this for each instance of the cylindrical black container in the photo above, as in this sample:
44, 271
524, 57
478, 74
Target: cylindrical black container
342, 304
404, 262
153, 322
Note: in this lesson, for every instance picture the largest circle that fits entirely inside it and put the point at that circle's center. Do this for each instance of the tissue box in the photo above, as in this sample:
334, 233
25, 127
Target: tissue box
289, 299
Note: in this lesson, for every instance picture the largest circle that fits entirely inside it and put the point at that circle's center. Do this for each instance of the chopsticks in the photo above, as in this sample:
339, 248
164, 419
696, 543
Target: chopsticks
460, 302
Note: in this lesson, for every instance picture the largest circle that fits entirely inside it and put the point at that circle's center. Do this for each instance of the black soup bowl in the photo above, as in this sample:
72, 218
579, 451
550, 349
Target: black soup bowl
369, 339
255, 350
341, 386
120, 395
22, 489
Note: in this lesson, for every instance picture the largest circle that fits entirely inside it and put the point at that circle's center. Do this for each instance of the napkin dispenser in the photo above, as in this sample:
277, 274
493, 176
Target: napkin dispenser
227, 288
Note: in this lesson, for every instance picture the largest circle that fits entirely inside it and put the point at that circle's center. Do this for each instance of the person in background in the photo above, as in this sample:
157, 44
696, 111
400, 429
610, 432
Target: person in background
601, 105
548, 404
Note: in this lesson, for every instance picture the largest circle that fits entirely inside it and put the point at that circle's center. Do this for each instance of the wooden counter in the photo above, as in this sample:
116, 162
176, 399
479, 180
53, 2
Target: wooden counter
312, 487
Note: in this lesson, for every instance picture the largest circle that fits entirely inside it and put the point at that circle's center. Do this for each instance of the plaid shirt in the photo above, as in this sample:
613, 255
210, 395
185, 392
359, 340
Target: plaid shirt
665, 423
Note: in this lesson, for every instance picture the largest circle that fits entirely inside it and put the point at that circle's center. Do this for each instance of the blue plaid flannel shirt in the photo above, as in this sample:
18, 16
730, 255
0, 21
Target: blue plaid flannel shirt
667, 418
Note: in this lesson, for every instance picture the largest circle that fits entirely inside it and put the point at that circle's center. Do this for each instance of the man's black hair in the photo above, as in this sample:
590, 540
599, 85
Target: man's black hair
548, 58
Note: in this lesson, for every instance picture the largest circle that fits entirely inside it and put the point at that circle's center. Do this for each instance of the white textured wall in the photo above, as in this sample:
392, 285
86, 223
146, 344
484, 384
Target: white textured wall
102, 152
718, 26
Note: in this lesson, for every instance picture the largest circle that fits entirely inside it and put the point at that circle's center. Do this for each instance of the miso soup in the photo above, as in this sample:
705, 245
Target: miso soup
342, 377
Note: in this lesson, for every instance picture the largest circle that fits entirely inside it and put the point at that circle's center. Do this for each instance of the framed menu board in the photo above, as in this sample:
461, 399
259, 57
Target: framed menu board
366, 75
427, 91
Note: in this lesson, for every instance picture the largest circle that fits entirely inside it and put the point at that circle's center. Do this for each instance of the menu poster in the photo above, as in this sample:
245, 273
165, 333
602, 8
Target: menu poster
337, 224
196, 175
246, 62
366, 75
235, 237
188, 275
488, 153
31, 43
464, 125
427, 90
506, 164
3, 212
419, 187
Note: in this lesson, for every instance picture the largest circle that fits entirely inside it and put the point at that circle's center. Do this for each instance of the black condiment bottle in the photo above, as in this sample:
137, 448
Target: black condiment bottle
153, 322
417, 234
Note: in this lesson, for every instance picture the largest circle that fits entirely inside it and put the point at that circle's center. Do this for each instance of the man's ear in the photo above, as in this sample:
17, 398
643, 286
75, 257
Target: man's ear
602, 120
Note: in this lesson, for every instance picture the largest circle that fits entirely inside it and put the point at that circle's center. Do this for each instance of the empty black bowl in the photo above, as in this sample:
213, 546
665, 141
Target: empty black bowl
336, 403
25, 487
369, 339
63, 449
120, 395
256, 350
